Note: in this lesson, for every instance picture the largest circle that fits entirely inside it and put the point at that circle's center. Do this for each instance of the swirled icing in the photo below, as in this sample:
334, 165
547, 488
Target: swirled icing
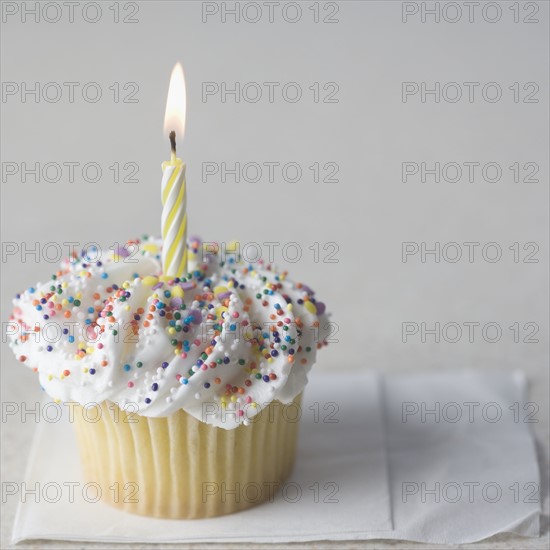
220, 343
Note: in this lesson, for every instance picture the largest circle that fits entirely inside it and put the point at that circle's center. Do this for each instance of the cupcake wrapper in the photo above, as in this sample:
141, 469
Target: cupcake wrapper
180, 467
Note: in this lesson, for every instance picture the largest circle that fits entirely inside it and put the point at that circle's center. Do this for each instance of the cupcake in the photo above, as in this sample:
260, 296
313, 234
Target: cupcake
186, 391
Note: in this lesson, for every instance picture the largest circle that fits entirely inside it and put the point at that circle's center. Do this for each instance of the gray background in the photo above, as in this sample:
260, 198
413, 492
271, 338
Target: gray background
369, 133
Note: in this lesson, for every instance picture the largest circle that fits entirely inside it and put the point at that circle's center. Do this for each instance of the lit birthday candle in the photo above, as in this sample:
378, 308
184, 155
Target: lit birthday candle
174, 195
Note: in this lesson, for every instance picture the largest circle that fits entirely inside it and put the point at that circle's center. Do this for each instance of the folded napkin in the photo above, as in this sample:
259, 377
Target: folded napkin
444, 457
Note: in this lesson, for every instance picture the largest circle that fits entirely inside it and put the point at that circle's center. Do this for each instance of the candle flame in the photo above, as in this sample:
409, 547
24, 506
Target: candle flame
174, 118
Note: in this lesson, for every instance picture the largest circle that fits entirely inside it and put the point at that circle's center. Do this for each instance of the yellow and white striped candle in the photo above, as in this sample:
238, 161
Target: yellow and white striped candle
174, 194
174, 218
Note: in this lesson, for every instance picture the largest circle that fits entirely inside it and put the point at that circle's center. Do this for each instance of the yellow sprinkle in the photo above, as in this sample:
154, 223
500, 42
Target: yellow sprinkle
171, 330
85, 370
310, 306
64, 284
126, 284
177, 292
289, 307
126, 308
233, 245
270, 360
57, 400
150, 280
219, 290
224, 405
64, 301
152, 248
116, 257
89, 350
233, 398
165, 278
50, 377
254, 405
79, 295
155, 295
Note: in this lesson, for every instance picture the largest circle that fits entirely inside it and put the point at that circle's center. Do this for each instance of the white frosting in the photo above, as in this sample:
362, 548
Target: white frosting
223, 335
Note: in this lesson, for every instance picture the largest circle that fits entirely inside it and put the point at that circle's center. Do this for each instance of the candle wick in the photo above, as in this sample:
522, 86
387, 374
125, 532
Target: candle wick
173, 141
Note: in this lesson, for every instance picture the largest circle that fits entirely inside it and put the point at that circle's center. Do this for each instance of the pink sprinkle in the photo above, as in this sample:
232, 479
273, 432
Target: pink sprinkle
249, 399
235, 315
244, 323
240, 412
130, 384
183, 355
204, 366
178, 376
100, 345
287, 320
197, 342
50, 304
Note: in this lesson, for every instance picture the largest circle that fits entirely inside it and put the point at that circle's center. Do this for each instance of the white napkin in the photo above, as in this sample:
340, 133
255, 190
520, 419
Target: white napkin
366, 465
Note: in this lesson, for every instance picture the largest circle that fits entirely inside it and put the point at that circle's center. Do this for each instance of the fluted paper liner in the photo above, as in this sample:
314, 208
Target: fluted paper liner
180, 467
